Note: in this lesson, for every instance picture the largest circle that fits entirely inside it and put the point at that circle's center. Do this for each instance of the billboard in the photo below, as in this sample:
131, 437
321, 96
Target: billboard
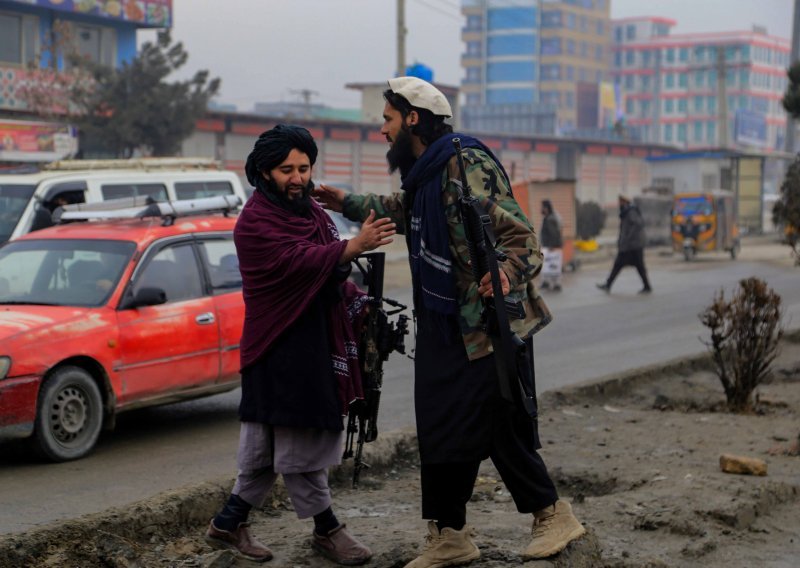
150, 13
27, 141
750, 128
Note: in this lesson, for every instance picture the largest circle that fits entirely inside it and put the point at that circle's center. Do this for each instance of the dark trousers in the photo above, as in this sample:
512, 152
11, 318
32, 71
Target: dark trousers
447, 487
633, 258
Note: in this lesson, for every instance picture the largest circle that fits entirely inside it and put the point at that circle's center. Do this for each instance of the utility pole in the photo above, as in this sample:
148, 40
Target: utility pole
795, 55
305, 95
401, 38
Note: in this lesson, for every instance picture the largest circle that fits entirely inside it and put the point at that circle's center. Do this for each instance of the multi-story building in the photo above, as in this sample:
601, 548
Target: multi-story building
102, 31
523, 60
720, 89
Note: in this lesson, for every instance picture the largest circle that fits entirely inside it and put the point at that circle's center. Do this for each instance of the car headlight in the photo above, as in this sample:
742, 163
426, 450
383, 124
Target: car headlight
5, 365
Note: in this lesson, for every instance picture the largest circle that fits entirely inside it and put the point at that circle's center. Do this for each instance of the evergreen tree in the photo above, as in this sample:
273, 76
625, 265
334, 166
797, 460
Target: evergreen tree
121, 110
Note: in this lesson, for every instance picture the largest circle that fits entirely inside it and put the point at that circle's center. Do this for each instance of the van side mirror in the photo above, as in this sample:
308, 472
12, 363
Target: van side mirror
146, 296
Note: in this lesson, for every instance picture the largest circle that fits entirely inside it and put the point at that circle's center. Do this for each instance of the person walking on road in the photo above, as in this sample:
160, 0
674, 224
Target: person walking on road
631, 242
299, 360
552, 243
461, 417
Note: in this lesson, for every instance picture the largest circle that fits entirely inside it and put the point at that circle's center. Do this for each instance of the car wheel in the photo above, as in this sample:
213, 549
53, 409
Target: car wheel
69, 415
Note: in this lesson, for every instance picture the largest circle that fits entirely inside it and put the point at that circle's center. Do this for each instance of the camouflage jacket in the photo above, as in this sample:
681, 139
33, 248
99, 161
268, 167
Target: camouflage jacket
514, 233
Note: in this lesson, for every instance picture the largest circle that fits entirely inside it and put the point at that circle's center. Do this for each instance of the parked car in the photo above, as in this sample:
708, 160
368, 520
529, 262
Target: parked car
27, 200
101, 317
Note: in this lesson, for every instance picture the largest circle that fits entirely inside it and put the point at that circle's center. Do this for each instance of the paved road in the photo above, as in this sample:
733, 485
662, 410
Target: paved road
594, 334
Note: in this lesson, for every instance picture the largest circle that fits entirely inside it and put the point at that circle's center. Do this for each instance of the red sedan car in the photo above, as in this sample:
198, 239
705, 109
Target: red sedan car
106, 316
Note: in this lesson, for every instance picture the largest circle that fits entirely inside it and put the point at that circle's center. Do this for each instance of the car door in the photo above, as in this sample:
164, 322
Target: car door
173, 346
218, 254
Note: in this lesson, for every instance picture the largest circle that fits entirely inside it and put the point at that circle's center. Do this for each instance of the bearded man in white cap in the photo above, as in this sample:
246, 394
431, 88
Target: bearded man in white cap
461, 417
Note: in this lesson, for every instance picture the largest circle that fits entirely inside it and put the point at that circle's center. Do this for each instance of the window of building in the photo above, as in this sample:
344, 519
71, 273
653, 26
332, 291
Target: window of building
670, 55
474, 22
682, 106
19, 38
569, 99
683, 54
474, 48
698, 131
618, 34
699, 78
97, 44
598, 52
667, 133
629, 57
645, 82
681, 133
571, 22
617, 59
505, 71
645, 106
571, 47
551, 72
551, 98
511, 44
630, 32
551, 19
511, 18
583, 75
682, 80
551, 46
698, 104
711, 104
629, 106
569, 72
669, 80
509, 96
646, 57
473, 99
629, 82
669, 106
584, 49
473, 75
600, 28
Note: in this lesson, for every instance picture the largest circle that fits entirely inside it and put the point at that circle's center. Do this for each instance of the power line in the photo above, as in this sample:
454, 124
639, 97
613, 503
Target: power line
438, 9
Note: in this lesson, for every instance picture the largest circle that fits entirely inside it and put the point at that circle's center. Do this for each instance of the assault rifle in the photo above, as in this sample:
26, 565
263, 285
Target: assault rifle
379, 338
514, 365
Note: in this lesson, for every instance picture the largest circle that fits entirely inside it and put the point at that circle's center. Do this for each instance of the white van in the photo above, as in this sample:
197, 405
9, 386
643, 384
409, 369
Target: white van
27, 200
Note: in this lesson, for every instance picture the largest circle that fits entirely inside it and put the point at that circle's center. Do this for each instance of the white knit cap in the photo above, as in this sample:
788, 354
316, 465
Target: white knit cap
421, 94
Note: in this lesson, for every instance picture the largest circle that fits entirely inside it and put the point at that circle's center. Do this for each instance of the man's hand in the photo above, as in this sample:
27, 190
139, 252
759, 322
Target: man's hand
485, 287
374, 233
330, 197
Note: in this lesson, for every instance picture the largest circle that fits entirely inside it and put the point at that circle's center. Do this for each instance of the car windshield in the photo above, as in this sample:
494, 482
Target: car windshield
13, 200
62, 272
693, 206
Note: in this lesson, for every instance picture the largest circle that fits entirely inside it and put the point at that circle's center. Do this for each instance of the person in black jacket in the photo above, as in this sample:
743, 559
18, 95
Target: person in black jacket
630, 245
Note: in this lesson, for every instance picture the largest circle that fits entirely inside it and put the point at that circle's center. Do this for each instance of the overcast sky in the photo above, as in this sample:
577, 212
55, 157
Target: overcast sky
266, 50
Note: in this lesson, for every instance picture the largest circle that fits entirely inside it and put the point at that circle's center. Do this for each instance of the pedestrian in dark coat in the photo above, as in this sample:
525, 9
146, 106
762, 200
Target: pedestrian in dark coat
630, 245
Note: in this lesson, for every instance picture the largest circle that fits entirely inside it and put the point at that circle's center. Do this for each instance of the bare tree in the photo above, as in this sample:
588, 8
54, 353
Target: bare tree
745, 334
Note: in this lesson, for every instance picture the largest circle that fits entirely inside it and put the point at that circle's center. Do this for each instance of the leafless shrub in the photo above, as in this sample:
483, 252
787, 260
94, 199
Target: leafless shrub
745, 333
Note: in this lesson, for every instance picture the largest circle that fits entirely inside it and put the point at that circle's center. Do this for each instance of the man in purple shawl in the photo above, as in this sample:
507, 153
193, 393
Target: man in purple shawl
299, 347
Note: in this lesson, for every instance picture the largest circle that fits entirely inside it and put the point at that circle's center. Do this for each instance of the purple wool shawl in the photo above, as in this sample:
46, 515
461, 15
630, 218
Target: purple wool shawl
285, 260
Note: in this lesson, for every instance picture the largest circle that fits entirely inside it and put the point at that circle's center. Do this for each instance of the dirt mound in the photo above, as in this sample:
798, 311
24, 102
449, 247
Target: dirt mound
638, 456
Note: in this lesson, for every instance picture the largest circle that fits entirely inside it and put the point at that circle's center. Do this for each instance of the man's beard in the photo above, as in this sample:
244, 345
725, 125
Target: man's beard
401, 154
300, 205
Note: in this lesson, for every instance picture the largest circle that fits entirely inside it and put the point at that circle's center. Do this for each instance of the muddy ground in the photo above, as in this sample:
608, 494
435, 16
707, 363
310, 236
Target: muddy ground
637, 456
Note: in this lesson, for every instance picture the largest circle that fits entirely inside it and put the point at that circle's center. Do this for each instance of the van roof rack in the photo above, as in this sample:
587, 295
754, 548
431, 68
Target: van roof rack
144, 164
141, 207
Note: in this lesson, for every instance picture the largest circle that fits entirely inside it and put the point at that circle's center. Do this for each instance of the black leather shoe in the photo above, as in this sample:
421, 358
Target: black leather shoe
604, 287
645, 290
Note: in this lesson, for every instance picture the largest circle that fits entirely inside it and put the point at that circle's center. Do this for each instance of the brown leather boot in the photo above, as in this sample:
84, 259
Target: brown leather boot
341, 547
554, 527
238, 540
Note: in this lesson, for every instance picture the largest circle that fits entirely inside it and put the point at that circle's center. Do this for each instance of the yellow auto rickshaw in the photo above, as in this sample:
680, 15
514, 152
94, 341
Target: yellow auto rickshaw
704, 221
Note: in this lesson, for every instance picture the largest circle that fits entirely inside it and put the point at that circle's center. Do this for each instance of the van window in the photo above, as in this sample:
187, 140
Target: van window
119, 190
13, 200
196, 189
